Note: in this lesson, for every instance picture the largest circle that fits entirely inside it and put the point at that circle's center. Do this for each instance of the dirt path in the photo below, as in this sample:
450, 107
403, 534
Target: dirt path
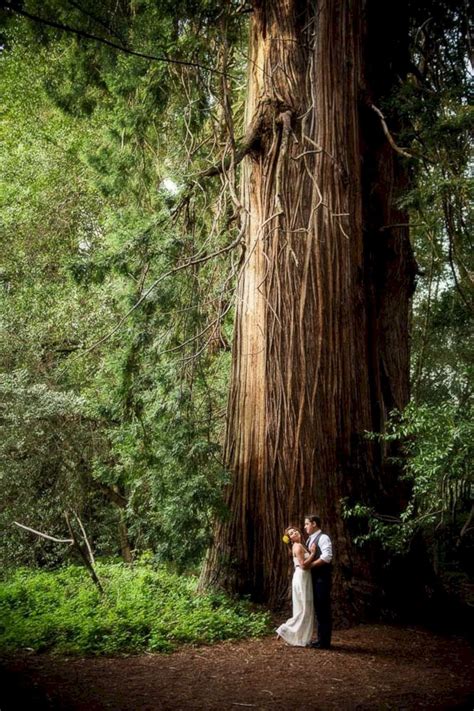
370, 667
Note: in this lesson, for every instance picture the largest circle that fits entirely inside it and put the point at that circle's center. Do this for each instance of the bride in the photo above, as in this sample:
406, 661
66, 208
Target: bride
298, 630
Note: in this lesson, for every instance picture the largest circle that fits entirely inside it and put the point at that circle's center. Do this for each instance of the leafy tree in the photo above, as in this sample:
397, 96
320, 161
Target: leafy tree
155, 456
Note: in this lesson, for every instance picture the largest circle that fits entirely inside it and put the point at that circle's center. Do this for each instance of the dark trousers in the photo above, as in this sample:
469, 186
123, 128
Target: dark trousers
322, 606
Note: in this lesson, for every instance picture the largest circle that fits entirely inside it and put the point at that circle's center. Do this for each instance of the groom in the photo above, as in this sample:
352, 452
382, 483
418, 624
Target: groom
321, 570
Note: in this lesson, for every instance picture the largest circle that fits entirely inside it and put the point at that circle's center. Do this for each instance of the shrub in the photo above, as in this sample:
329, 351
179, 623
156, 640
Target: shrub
142, 609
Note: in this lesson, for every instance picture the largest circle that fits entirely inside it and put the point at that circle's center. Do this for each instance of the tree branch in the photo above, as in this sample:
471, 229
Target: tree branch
245, 146
95, 19
389, 136
467, 526
114, 496
86, 540
87, 35
44, 535
190, 263
88, 561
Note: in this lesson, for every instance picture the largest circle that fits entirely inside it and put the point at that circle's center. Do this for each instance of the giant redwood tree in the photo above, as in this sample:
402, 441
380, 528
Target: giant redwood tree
321, 351
321, 348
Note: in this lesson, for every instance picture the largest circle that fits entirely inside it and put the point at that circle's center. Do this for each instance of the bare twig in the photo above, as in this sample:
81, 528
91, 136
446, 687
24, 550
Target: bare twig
467, 526
44, 535
87, 558
88, 562
86, 540
307, 153
389, 136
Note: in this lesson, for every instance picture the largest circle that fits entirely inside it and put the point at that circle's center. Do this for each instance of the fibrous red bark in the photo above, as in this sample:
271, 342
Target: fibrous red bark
321, 351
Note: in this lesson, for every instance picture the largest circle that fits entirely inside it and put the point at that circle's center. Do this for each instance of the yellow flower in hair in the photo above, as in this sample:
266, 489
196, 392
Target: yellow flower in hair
285, 539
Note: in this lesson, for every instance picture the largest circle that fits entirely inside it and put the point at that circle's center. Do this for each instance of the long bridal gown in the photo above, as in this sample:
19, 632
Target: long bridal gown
298, 630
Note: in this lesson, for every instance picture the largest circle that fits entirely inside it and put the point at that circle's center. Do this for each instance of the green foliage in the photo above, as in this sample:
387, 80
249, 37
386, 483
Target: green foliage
436, 452
90, 227
43, 448
143, 609
435, 109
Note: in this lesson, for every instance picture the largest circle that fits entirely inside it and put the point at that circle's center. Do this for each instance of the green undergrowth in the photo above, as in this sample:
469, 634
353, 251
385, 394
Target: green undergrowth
142, 609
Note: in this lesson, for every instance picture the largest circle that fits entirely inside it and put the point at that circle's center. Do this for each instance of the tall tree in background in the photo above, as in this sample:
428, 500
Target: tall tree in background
321, 351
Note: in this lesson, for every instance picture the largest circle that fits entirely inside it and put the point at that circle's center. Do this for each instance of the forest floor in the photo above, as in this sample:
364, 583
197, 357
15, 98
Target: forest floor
369, 667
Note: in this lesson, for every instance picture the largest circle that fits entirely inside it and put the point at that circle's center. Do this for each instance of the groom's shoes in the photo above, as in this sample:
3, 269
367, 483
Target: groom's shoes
319, 645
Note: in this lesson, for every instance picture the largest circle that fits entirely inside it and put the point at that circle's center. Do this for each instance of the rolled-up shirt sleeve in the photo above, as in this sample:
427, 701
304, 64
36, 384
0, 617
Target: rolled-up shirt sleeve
325, 546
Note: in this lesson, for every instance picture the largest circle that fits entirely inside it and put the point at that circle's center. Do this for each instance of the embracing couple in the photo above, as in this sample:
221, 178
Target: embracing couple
311, 586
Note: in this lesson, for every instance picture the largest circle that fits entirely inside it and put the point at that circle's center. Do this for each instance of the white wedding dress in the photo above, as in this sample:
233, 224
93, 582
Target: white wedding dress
298, 630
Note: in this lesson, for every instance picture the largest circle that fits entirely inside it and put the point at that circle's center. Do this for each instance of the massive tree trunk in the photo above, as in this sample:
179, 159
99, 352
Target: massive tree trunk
320, 354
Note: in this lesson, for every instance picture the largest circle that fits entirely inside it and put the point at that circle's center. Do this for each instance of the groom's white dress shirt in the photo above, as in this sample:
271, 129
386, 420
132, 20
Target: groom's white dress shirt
324, 543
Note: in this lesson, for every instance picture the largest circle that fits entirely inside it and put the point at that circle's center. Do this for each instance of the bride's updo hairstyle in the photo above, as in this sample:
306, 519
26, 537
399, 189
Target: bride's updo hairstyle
286, 536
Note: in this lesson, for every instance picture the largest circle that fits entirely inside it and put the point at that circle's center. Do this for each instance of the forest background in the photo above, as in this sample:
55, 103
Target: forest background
120, 253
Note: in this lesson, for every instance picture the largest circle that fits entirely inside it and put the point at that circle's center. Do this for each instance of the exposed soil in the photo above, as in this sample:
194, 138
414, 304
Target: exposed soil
370, 667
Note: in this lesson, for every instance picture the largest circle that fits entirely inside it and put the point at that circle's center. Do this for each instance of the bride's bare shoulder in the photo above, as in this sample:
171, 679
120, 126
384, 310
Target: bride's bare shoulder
297, 547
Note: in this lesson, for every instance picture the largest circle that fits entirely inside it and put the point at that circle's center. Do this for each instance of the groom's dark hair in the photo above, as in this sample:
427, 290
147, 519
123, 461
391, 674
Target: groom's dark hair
314, 519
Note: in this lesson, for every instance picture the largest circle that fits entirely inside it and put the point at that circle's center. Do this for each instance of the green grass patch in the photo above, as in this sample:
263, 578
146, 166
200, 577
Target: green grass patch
143, 609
